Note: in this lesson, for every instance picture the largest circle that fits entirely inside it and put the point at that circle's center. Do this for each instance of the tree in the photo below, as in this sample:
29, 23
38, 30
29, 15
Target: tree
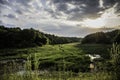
117, 39
99, 37
17, 38
102, 37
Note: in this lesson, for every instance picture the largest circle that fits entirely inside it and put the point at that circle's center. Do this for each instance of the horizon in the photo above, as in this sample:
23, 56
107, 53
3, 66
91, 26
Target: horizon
68, 18
107, 30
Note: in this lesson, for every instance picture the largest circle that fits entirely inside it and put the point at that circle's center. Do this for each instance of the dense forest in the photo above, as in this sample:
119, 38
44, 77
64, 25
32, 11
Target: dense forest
18, 38
102, 37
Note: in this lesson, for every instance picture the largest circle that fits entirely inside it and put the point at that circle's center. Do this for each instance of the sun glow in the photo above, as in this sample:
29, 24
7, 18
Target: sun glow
104, 20
97, 23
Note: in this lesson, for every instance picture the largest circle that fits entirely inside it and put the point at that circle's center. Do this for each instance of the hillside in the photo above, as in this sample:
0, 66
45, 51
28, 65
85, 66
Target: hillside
102, 37
51, 56
18, 38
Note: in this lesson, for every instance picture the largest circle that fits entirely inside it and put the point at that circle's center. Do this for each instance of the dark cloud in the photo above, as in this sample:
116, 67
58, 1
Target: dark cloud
10, 16
19, 11
18, 6
0, 22
109, 3
83, 8
23, 12
3, 1
118, 8
89, 10
61, 7
13, 3
91, 7
23, 2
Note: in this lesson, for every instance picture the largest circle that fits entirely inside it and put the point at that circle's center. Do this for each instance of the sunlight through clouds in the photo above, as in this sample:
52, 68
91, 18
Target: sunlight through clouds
101, 2
97, 23
69, 16
107, 19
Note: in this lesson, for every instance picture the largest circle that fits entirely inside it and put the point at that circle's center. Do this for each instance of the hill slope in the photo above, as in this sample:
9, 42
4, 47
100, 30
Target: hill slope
102, 37
18, 38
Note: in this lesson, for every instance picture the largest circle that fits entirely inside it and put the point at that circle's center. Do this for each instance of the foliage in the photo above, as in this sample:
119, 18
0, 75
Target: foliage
102, 37
115, 54
36, 74
117, 38
51, 56
61, 40
56, 62
17, 38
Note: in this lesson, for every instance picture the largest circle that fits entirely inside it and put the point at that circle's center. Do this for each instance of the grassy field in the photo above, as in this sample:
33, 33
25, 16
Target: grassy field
55, 51
60, 61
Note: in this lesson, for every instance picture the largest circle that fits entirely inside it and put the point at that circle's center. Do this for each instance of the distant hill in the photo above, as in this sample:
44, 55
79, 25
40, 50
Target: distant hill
18, 38
102, 37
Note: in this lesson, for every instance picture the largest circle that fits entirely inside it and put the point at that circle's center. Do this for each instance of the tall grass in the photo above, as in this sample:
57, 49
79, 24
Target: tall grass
115, 55
30, 74
32, 71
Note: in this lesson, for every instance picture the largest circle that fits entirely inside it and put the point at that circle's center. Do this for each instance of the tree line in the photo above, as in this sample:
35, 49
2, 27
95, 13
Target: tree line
21, 38
102, 37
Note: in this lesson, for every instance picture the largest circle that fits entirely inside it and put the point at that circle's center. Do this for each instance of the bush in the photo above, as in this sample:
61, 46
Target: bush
115, 54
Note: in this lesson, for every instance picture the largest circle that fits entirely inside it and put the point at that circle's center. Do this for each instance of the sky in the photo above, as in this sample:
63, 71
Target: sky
72, 18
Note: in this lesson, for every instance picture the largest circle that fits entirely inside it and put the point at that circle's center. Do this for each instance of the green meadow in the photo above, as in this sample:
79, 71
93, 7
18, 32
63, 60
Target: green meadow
56, 51
56, 62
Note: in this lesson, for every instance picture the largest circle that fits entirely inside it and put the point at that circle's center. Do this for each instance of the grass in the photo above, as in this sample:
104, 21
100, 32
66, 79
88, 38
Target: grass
81, 76
62, 62
53, 75
54, 51
51, 56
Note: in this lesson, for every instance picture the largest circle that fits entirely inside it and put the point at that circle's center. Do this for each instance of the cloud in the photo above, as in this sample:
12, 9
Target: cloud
60, 17
3, 1
23, 2
10, 16
0, 22
19, 11
109, 18
81, 8
101, 3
